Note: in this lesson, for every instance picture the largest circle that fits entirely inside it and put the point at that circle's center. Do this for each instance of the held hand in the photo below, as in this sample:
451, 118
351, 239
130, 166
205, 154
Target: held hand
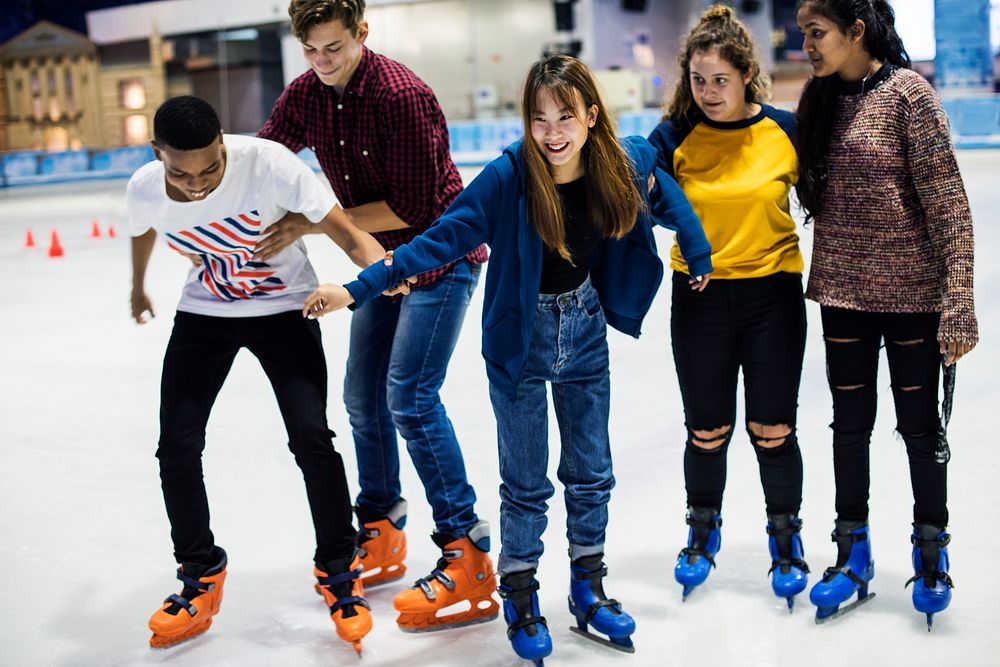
326, 299
953, 351
280, 235
140, 306
699, 283
403, 287
651, 181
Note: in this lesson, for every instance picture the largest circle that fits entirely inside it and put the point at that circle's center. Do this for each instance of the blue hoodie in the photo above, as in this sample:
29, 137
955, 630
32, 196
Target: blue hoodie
493, 209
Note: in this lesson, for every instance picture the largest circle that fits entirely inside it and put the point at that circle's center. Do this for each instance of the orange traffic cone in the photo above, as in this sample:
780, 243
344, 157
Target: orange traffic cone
95, 229
29, 240
55, 248
111, 231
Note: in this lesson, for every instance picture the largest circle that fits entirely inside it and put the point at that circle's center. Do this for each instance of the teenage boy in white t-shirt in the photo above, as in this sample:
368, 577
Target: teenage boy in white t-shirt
209, 196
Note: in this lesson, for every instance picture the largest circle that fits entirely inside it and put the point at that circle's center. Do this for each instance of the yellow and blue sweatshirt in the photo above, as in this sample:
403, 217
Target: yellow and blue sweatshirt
737, 176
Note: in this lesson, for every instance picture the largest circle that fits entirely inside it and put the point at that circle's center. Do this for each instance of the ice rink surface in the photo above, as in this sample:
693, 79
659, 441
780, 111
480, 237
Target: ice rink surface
85, 554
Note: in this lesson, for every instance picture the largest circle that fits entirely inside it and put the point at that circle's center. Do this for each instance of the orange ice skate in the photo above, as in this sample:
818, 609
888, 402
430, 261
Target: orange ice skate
342, 590
382, 544
459, 591
190, 613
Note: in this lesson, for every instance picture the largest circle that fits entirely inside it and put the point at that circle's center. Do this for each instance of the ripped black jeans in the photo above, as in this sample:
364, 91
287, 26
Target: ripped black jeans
853, 340
757, 325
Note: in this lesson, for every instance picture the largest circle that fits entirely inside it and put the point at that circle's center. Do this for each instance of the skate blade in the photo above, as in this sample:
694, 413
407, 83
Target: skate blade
433, 623
844, 610
357, 647
164, 641
624, 648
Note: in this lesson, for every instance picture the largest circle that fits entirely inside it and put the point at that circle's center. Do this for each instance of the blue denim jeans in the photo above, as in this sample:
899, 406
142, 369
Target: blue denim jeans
398, 358
569, 349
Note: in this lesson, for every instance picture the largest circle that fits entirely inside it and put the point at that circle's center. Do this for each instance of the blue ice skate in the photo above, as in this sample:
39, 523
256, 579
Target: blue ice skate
697, 559
931, 583
789, 572
851, 574
526, 628
589, 604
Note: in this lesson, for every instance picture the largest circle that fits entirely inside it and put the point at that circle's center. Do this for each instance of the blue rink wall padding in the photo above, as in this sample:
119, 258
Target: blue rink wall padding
975, 123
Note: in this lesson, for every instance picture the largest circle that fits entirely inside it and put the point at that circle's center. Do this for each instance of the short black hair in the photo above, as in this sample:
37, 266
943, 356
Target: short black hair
186, 123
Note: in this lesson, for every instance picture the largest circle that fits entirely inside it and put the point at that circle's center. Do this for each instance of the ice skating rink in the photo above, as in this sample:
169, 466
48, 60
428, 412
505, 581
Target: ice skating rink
85, 554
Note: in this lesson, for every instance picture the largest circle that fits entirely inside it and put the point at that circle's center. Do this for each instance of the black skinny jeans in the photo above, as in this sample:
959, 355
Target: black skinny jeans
853, 339
759, 325
198, 358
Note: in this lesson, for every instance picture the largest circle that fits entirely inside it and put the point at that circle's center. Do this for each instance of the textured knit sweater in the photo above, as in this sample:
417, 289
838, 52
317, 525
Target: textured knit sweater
894, 233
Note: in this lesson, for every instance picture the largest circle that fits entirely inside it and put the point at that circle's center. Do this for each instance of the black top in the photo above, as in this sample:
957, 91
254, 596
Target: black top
582, 239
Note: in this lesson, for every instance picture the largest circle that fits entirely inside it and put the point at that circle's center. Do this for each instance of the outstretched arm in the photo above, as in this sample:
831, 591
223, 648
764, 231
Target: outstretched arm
142, 248
359, 245
670, 208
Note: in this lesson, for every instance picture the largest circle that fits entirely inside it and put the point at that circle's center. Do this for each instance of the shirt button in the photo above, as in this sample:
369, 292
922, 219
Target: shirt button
341, 142
364, 152
340, 106
347, 177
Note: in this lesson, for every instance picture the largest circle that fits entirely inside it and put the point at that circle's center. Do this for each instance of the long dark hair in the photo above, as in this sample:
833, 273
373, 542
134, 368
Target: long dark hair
612, 199
718, 28
818, 105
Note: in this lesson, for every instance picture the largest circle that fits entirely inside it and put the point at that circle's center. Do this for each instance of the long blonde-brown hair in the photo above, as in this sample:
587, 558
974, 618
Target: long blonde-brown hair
717, 29
612, 199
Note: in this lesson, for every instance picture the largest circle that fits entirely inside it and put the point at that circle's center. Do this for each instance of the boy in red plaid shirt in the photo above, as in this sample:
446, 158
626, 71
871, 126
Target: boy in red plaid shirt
382, 141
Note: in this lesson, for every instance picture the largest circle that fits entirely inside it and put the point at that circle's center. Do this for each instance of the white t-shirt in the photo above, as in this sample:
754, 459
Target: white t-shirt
262, 181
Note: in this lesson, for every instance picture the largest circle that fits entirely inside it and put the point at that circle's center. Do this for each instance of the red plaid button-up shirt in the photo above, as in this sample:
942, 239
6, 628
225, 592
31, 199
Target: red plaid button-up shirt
383, 139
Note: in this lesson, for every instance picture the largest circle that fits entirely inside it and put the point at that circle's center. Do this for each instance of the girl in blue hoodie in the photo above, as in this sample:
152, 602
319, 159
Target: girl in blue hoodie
567, 213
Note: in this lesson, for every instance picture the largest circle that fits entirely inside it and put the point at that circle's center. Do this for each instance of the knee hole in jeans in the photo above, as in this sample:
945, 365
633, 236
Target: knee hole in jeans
769, 436
711, 439
849, 387
842, 340
911, 389
908, 343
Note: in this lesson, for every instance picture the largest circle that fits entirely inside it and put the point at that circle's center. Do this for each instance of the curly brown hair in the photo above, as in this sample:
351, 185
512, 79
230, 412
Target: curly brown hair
718, 29
306, 14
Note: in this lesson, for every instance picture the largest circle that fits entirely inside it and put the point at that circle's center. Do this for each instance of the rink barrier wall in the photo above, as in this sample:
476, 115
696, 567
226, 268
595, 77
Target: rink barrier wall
975, 123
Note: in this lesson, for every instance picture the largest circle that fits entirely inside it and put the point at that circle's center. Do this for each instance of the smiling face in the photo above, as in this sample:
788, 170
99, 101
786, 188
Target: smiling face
192, 175
718, 88
830, 49
333, 52
560, 133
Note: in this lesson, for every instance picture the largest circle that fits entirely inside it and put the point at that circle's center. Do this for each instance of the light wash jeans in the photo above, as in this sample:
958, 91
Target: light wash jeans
569, 349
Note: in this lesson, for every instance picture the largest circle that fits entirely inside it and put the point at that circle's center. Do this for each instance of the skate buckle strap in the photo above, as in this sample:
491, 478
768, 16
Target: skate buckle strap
791, 529
349, 599
939, 542
424, 584
184, 602
692, 551
714, 523
599, 573
782, 562
933, 576
601, 604
850, 537
832, 572
333, 580
522, 623
197, 584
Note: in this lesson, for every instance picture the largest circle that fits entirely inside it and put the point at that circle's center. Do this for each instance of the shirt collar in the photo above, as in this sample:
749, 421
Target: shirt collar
362, 76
